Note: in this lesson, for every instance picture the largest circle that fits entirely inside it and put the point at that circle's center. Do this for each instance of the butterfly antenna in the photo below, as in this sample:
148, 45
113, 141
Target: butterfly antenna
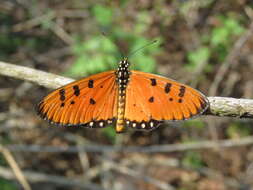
146, 45
106, 36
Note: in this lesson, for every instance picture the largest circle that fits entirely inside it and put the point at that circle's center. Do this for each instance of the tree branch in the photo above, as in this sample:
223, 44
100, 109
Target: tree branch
219, 106
37, 177
42, 78
230, 107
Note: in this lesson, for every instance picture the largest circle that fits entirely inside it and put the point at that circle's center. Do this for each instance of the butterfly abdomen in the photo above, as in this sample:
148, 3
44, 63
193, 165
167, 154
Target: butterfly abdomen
122, 79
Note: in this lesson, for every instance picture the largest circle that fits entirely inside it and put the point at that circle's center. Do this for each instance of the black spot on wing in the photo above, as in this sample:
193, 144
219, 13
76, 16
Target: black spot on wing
151, 99
167, 87
76, 90
62, 94
181, 91
92, 101
62, 98
153, 82
91, 83
62, 91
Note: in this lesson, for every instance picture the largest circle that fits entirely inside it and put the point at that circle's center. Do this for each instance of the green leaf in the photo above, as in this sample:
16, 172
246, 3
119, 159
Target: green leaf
99, 54
142, 23
93, 56
103, 14
142, 54
223, 34
195, 123
197, 57
143, 63
77, 69
233, 26
219, 36
237, 130
110, 133
138, 43
7, 185
192, 160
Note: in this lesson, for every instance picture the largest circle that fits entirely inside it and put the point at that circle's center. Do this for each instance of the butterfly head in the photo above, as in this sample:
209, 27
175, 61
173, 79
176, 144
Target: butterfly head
123, 68
124, 64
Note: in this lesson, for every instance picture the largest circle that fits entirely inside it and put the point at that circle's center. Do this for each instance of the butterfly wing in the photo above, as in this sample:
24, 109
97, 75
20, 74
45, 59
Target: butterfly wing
89, 102
152, 99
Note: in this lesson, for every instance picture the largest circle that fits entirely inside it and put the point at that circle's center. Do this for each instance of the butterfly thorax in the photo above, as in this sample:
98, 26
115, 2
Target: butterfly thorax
122, 79
123, 74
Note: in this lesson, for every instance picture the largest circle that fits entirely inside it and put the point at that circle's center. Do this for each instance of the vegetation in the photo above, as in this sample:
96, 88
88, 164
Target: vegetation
79, 38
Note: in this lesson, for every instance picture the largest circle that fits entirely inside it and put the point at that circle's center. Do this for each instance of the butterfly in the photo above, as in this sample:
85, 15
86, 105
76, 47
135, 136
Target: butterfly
122, 97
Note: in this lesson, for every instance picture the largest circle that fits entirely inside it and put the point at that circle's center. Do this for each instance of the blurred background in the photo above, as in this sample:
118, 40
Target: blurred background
206, 44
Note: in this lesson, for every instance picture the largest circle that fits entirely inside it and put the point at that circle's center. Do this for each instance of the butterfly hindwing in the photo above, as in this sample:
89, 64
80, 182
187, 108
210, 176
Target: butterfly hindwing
152, 99
87, 102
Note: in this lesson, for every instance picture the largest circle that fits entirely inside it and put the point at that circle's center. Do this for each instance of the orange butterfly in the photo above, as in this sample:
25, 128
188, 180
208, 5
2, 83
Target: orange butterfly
128, 98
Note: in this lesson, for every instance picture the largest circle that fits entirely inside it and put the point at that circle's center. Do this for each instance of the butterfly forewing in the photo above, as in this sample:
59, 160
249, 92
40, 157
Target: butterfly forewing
87, 102
152, 99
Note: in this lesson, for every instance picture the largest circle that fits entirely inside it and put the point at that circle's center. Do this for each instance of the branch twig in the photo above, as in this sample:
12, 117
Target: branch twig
41, 177
219, 106
137, 175
33, 22
149, 149
16, 169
